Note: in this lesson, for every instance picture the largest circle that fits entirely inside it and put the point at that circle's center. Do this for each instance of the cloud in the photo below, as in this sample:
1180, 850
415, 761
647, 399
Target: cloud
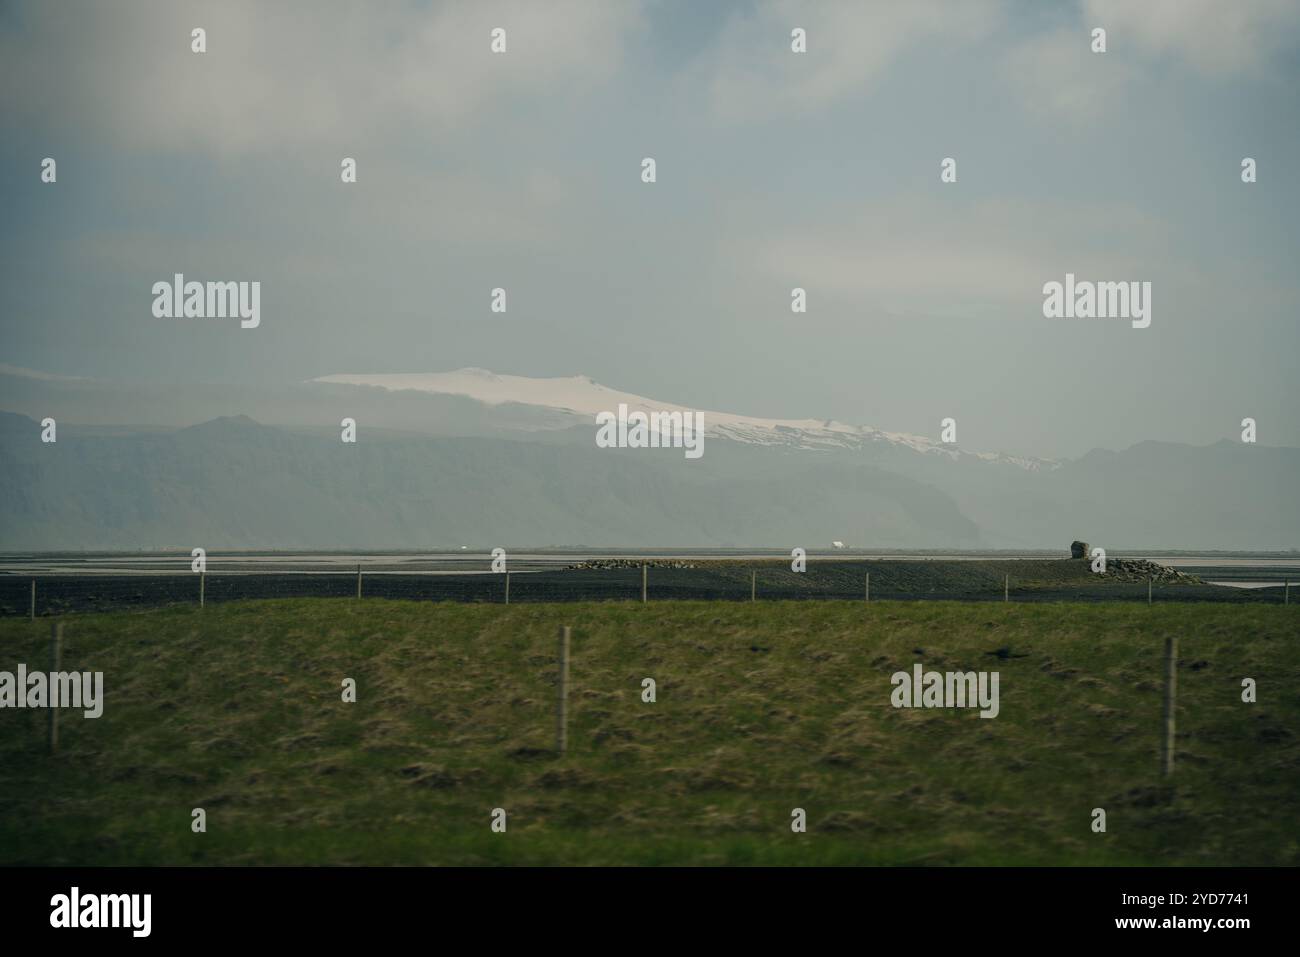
1057, 75
301, 73
1210, 35
987, 259
752, 72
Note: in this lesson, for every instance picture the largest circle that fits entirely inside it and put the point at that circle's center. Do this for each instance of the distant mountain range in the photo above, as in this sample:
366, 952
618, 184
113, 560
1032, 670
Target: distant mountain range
471, 457
575, 400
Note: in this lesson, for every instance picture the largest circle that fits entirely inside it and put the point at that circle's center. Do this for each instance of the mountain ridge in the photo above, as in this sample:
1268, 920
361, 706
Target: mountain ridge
233, 482
580, 396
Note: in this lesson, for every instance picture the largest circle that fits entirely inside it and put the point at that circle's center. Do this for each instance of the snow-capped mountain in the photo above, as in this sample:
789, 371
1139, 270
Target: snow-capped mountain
472, 456
577, 399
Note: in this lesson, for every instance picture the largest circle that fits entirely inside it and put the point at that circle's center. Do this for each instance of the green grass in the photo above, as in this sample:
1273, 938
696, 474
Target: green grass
761, 708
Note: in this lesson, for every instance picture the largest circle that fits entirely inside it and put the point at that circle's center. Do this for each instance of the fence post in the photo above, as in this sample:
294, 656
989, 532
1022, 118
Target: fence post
56, 654
203, 580
33, 615
643, 584
1286, 596
562, 694
507, 588
1171, 677
1006, 589
358, 579
868, 586
753, 585
1148, 589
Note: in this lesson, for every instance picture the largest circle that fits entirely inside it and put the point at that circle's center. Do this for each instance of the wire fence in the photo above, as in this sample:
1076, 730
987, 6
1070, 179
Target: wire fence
78, 593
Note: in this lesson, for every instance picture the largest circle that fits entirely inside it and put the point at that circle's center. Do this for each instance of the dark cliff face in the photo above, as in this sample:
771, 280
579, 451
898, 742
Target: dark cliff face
232, 482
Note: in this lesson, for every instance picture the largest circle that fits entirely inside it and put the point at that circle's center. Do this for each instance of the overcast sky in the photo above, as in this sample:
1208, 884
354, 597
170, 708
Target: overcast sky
821, 170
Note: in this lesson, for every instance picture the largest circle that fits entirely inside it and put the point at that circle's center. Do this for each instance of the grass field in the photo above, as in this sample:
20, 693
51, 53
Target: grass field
761, 708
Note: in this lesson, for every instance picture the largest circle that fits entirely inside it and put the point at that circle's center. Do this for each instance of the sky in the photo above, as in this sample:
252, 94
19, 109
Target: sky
775, 170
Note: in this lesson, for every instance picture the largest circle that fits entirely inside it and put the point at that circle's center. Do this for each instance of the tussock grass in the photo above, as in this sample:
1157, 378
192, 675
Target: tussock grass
761, 708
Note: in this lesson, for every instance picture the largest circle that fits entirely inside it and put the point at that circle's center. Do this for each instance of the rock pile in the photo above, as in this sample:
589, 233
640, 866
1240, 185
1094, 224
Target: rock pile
1139, 570
601, 563
1135, 569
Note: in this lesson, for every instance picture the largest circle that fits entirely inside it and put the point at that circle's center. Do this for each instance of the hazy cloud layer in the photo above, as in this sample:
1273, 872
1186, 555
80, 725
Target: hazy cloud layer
819, 170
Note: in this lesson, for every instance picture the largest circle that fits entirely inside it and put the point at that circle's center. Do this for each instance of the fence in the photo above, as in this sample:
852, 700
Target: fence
63, 593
